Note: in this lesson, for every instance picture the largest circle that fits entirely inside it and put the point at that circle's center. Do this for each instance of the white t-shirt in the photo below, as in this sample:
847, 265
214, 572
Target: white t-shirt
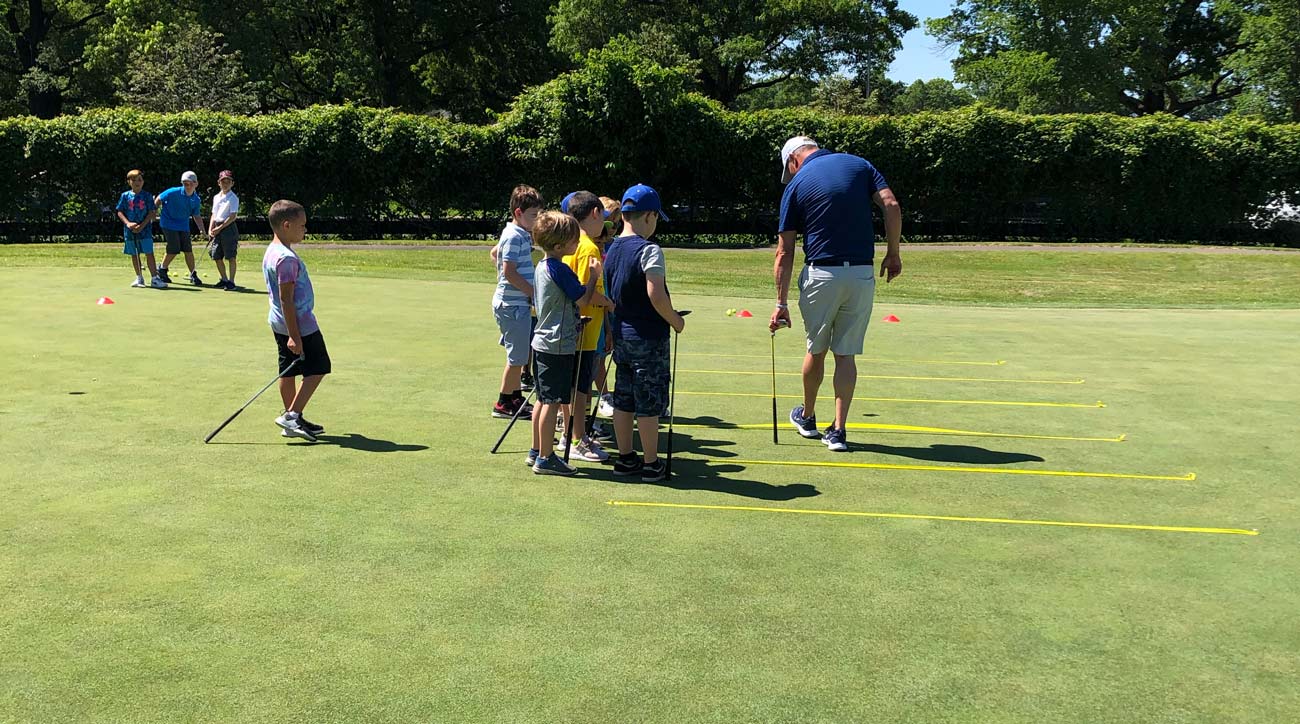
224, 206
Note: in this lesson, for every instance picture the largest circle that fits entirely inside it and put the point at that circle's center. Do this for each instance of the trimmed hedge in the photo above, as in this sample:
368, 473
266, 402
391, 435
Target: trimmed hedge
619, 121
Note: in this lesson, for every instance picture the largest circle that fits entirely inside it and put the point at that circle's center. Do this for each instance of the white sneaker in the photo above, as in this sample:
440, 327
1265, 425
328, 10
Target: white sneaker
158, 283
291, 423
589, 451
606, 407
139, 282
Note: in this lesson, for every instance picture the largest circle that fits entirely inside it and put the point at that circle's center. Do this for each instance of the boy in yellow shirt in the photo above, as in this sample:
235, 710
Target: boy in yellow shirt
590, 213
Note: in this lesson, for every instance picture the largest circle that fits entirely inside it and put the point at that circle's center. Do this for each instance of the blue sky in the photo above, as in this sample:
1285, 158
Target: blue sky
921, 57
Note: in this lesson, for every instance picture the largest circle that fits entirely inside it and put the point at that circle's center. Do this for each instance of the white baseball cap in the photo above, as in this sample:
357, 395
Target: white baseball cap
792, 145
189, 176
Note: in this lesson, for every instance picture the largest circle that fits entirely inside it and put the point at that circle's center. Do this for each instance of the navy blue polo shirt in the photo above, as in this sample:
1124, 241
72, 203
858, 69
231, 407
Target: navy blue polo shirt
829, 202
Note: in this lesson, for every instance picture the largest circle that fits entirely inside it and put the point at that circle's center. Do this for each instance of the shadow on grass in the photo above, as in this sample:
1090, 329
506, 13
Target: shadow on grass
949, 454
353, 441
718, 478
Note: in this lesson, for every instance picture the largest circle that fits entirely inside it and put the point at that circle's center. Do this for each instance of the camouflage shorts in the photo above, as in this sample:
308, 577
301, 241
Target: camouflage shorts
642, 376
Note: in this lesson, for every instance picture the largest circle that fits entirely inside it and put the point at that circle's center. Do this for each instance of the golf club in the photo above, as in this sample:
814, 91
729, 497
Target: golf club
780, 324
672, 401
513, 418
275, 379
573, 393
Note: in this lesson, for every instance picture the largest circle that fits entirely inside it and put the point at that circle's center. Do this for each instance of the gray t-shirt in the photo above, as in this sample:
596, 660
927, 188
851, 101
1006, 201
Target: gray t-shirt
558, 290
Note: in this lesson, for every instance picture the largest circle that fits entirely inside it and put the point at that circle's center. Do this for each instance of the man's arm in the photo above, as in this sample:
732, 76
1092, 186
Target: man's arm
782, 270
517, 280
892, 265
290, 316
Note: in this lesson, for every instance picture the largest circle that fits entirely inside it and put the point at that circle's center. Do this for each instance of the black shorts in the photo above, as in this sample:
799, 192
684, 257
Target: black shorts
316, 359
225, 245
586, 371
554, 378
178, 242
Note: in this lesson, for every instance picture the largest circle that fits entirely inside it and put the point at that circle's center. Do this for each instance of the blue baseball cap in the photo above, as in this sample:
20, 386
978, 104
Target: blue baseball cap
643, 198
564, 205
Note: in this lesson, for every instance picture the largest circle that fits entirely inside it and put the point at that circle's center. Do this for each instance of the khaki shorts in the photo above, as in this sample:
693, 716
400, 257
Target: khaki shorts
835, 302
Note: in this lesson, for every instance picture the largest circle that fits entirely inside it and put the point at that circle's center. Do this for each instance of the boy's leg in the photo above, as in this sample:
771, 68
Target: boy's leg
623, 431
135, 263
232, 269
221, 267
542, 430
300, 400
624, 401
648, 428
189, 261
153, 263
288, 391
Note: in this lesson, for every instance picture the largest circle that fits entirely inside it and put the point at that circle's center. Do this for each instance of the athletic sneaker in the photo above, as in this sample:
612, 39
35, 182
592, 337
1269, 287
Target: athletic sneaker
507, 411
139, 282
291, 422
602, 433
158, 283
629, 464
606, 407
590, 450
806, 426
531, 460
231, 286
836, 440
162, 274
553, 465
194, 279
313, 427
654, 472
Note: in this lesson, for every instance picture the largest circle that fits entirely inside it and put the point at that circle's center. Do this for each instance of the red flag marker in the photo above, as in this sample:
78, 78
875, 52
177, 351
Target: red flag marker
892, 318
105, 300
745, 313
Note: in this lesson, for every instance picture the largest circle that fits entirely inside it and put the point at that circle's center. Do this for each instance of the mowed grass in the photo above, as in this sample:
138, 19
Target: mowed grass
399, 572
991, 278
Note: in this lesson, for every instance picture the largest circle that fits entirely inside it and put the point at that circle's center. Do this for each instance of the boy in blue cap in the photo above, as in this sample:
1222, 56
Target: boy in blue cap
635, 276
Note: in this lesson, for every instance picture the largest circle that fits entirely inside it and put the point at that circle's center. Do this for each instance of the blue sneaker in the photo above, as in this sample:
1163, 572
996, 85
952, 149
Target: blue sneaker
836, 440
806, 426
553, 465
531, 460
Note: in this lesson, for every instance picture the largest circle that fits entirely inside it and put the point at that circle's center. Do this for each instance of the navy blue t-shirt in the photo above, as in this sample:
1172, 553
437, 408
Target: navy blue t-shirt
829, 202
628, 260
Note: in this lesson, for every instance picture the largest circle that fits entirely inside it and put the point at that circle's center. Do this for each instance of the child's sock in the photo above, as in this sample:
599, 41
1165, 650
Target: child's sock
504, 398
517, 395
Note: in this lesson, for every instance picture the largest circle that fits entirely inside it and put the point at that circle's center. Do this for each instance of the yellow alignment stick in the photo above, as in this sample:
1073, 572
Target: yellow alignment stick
906, 399
998, 363
884, 427
948, 469
897, 377
962, 519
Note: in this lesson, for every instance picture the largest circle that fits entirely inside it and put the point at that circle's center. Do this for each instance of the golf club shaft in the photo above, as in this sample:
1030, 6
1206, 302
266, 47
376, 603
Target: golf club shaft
513, 418
672, 400
775, 440
282, 373
573, 393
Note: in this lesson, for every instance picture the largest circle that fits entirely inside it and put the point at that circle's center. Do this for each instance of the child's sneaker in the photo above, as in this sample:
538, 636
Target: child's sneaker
163, 275
806, 426
836, 440
629, 464
291, 422
311, 426
139, 282
231, 286
654, 472
531, 460
553, 465
590, 450
505, 411
606, 407
559, 421
194, 279
158, 283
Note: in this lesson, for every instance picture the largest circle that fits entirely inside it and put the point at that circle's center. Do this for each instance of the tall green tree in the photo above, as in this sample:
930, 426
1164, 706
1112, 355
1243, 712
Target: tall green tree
1154, 56
743, 46
1271, 63
938, 94
43, 52
189, 69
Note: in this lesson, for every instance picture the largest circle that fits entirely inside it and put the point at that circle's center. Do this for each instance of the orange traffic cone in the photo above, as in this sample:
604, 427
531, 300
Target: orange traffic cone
105, 300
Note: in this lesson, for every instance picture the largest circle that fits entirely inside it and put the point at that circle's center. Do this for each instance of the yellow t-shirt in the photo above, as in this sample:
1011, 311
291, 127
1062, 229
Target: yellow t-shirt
580, 263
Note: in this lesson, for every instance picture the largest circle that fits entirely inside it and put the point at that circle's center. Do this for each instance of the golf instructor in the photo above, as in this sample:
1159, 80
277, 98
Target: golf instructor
828, 199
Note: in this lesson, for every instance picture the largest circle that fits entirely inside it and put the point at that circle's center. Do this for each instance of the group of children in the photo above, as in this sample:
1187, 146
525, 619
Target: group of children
600, 287
175, 208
